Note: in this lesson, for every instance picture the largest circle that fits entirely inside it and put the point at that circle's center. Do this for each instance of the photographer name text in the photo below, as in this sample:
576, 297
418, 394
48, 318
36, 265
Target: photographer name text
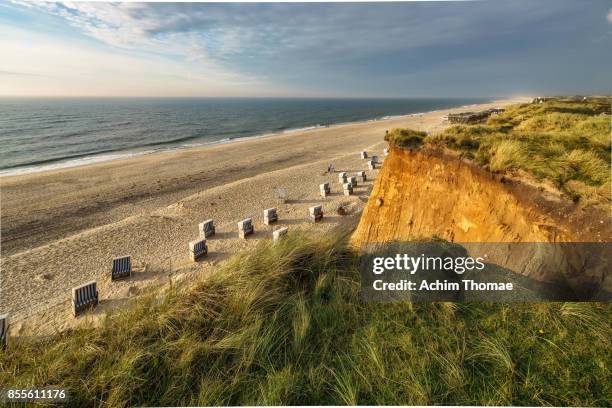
438, 285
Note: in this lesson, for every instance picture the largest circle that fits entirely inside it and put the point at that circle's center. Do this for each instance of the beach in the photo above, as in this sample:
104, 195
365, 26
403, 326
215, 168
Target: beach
61, 228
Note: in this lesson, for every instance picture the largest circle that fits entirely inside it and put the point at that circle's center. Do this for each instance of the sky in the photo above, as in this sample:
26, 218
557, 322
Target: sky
409, 49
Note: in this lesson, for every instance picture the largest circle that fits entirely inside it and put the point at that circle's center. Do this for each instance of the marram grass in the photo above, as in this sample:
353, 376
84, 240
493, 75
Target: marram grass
562, 141
285, 324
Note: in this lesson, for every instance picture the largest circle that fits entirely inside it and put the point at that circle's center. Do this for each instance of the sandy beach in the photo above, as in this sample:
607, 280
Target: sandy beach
63, 227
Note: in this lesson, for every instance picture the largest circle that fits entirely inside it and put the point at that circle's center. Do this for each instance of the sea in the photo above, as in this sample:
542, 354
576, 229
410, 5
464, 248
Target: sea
38, 134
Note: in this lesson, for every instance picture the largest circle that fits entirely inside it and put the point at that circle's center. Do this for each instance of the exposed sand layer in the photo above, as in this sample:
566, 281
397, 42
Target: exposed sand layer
421, 194
425, 195
62, 228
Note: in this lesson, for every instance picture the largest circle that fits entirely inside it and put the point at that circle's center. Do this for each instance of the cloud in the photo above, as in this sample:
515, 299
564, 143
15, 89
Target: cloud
54, 67
609, 17
217, 31
324, 46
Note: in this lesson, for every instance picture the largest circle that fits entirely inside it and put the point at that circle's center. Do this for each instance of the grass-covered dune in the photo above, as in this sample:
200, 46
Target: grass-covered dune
406, 138
562, 141
285, 324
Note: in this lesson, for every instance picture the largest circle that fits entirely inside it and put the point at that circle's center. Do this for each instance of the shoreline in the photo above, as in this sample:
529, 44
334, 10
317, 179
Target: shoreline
50, 205
127, 154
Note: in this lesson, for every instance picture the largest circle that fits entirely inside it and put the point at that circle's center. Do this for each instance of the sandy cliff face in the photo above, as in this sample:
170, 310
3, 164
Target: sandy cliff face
421, 195
427, 194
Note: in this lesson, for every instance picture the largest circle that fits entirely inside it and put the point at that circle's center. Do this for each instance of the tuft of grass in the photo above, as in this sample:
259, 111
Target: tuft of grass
493, 350
285, 324
586, 166
301, 322
562, 141
508, 154
407, 138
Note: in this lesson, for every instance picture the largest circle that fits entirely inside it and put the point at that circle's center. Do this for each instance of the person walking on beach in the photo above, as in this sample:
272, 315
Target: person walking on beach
330, 168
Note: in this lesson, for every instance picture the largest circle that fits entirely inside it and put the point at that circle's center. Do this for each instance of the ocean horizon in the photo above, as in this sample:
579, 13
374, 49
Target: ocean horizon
38, 134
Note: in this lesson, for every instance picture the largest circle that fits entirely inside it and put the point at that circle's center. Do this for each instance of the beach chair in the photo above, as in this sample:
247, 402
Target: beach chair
197, 249
362, 175
4, 328
270, 216
364, 154
347, 188
316, 213
279, 233
371, 165
122, 267
324, 189
245, 227
342, 177
207, 228
375, 159
84, 297
353, 181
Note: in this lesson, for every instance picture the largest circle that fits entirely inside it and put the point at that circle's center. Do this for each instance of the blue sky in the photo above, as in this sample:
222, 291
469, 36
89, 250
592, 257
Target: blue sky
480, 48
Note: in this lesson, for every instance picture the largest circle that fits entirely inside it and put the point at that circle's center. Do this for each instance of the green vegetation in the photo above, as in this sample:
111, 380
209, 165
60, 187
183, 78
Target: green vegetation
563, 141
405, 137
285, 324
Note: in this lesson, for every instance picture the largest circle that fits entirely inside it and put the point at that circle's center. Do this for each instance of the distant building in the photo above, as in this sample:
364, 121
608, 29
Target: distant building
539, 99
473, 117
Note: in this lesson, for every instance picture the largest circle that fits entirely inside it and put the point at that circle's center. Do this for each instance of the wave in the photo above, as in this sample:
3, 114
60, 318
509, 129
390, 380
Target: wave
81, 161
169, 141
225, 140
91, 158
302, 129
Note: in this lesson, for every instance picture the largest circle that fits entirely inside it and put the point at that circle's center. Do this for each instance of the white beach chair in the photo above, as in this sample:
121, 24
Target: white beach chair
245, 227
279, 233
347, 188
324, 189
316, 213
270, 216
197, 249
207, 228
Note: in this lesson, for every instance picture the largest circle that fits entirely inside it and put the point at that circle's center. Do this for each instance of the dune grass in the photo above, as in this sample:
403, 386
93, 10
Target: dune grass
285, 324
405, 137
561, 141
